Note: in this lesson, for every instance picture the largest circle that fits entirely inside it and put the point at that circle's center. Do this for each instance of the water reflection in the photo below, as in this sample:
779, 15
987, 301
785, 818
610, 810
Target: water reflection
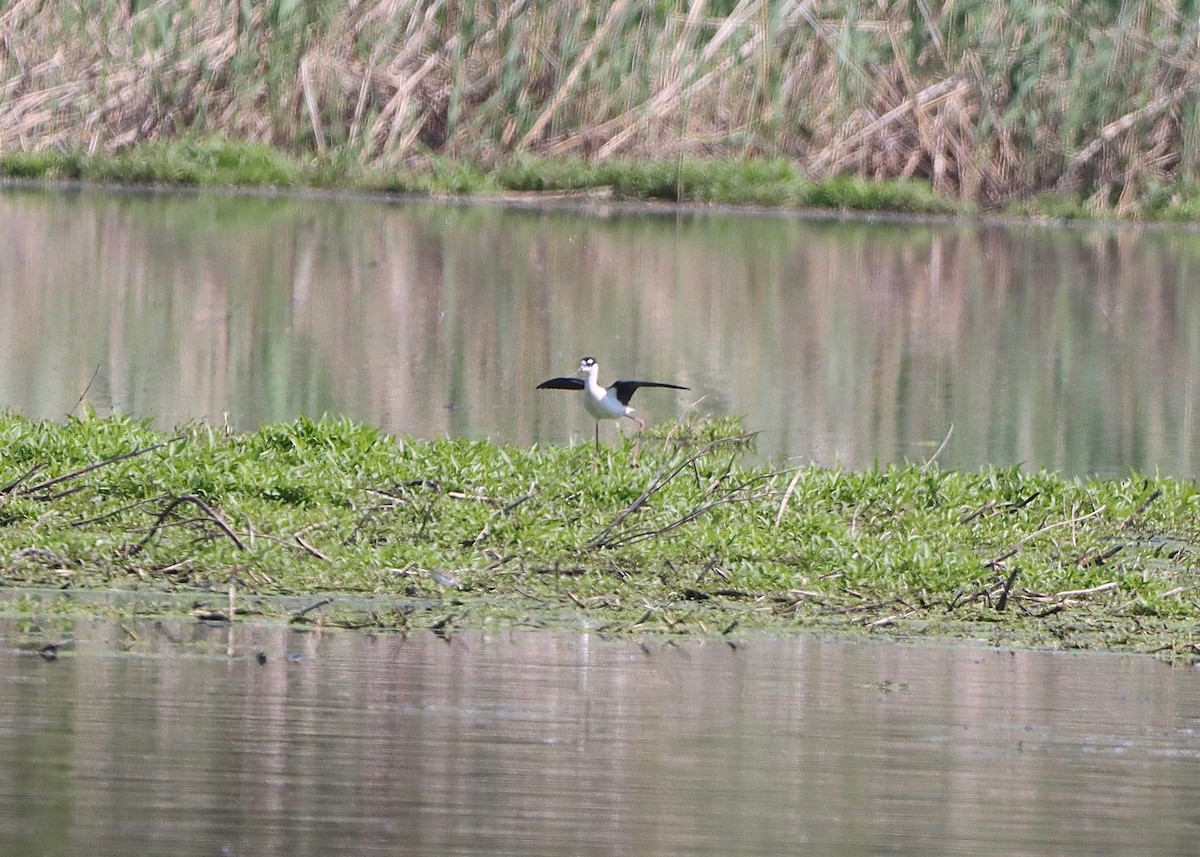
149, 739
1077, 349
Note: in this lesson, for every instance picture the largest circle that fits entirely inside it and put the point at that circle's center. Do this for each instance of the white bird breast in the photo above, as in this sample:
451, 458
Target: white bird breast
605, 407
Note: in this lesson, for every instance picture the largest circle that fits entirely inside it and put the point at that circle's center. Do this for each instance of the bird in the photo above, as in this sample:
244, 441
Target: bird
605, 403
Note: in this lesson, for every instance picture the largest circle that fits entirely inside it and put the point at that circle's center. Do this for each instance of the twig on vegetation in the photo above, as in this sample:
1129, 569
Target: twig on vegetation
526, 593
58, 495
393, 502
11, 486
529, 495
1015, 548
113, 513
173, 567
715, 483
1094, 590
787, 495
463, 495
794, 598
1007, 588
210, 513
668, 471
961, 597
558, 569
310, 549
1090, 557
933, 457
1154, 495
641, 535
892, 619
92, 467
986, 507
91, 381
301, 613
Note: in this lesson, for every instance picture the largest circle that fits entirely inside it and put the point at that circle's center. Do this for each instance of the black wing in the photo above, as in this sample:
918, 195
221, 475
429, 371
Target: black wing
561, 384
626, 389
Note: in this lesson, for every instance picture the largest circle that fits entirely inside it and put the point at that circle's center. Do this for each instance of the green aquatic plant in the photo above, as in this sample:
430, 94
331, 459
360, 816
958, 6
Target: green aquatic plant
699, 539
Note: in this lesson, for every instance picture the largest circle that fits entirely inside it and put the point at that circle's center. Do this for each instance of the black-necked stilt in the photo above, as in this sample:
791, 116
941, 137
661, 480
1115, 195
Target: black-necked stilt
602, 403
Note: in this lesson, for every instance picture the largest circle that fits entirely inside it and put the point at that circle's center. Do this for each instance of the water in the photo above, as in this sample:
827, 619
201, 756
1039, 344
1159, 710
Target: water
1076, 349
147, 738
852, 342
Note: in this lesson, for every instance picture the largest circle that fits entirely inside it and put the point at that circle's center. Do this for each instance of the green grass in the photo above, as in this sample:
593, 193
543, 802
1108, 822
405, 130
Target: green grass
209, 162
693, 541
200, 162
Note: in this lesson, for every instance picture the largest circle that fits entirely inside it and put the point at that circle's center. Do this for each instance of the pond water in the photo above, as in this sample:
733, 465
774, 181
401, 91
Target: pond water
841, 341
173, 738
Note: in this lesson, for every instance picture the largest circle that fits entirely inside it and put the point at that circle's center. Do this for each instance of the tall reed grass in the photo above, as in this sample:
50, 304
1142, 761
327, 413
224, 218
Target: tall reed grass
988, 101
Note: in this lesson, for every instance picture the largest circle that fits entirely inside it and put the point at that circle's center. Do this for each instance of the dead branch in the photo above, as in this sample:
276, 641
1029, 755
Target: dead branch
533, 487
209, 512
16, 482
945, 443
1154, 495
92, 467
986, 507
1094, 590
787, 495
310, 549
301, 613
928, 97
1014, 549
91, 381
113, 513
1007, 588
641, 535
668, 471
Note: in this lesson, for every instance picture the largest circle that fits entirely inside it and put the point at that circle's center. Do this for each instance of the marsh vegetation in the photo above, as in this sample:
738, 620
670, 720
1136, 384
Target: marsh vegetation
695, 541
1067, 108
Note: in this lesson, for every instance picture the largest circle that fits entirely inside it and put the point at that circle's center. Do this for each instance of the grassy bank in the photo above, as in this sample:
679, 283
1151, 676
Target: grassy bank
1062, 108
451, 534
212, 162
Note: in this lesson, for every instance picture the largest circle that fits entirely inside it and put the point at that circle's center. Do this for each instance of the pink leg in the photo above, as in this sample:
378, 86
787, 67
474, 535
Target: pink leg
637, 444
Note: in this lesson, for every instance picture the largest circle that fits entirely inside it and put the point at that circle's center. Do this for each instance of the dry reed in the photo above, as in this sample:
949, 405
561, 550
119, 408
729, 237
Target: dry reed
988, 101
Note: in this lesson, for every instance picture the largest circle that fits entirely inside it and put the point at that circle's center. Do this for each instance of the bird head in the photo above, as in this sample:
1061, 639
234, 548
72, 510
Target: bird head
588, 366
